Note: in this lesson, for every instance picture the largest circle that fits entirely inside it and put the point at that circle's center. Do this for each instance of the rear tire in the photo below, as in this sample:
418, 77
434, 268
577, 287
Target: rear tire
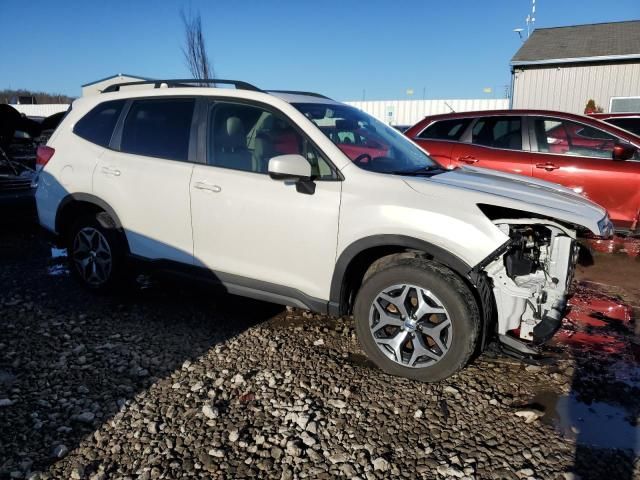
417, 319
97, 253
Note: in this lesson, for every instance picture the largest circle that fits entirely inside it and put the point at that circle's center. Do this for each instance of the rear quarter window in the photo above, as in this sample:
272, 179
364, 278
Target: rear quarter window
97, 125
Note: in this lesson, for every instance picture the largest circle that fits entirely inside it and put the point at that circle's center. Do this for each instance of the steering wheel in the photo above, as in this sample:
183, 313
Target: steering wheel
361, 157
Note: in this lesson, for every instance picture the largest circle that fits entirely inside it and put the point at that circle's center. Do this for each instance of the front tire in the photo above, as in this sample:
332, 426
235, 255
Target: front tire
417, 319
96, 252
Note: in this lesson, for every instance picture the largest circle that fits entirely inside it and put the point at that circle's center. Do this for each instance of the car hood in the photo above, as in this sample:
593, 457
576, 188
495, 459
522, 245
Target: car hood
521, 193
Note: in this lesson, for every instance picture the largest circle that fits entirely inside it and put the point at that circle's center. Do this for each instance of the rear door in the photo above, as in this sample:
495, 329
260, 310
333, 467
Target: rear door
145, 176
440, 137
496, 142
580, 156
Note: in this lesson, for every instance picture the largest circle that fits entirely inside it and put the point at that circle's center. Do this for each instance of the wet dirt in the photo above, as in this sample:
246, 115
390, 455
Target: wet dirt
629, 245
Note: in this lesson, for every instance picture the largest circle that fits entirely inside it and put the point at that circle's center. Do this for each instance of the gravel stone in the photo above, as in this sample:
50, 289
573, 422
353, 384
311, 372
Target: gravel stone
210, 412
380, 464
174, 381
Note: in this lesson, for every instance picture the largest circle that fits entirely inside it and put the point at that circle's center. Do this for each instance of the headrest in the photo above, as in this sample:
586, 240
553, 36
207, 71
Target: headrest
346, 125
235, 127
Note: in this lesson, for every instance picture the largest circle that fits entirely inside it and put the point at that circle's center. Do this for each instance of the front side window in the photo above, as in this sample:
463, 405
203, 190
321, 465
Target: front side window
159, 128
97, 125
564, 137
245, 137
446, 129
498, 132
369, 143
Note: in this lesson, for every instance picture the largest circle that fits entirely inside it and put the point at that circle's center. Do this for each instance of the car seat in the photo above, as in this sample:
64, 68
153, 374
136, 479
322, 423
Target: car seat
230, 146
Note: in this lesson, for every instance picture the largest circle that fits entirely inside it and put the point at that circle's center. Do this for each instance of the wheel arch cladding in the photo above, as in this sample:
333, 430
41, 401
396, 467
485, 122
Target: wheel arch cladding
76, 204
354, 261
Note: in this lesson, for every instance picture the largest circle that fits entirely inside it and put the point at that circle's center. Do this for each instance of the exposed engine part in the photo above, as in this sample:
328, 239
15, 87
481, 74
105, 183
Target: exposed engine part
533, 277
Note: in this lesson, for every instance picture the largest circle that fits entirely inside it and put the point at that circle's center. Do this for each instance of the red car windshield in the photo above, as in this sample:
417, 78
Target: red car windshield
369, 143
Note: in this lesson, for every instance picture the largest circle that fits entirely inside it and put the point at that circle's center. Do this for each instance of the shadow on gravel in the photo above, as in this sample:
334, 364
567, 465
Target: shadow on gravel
70, 360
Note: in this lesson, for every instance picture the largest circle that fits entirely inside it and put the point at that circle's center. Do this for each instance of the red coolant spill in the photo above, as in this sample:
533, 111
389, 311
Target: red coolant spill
596, 322
617, 244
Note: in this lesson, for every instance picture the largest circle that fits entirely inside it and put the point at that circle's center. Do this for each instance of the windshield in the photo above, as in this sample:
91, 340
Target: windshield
369, 143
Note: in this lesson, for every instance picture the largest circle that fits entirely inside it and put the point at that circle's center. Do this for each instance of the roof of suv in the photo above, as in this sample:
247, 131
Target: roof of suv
480, 113
419, 126
159, 87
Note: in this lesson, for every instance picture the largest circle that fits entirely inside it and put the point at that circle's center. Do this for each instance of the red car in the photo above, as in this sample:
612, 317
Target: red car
592, 157
628, 121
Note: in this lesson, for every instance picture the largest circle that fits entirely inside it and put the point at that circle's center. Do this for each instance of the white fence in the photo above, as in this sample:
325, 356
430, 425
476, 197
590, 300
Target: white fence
408, 112
43, 110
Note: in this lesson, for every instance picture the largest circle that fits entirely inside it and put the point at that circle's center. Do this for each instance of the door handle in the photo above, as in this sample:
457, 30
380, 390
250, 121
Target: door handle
470, 159
547, 166
207, 186
111, 171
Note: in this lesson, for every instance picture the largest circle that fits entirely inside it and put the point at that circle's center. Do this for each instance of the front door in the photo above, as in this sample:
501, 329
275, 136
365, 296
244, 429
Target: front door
249, 225
580, 157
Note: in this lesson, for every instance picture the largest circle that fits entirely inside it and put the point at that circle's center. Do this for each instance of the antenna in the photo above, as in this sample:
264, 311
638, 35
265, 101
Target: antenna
531, 18
530, 21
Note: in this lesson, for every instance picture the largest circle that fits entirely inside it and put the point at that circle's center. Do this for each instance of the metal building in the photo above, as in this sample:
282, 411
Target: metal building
409, 112
93, 88
562, 68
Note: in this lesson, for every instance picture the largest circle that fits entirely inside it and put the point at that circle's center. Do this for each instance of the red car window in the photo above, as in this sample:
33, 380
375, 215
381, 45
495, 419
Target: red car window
565, 137
498, 132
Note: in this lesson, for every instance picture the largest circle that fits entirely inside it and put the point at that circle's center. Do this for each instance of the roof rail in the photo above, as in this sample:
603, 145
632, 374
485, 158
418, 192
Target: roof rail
188, 82
297, 92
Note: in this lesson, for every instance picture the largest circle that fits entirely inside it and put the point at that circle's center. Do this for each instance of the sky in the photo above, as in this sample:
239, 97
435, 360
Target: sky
346, 49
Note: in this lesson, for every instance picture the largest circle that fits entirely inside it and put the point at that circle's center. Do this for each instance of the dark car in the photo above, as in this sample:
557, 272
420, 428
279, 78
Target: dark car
19, 140
627, 121
592, 157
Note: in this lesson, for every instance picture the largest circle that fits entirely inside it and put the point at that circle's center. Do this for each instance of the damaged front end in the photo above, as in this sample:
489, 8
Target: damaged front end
531, 277
16, 184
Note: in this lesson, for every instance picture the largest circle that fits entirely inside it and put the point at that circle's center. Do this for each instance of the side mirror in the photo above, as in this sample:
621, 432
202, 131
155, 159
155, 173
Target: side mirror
623, 151
289, 167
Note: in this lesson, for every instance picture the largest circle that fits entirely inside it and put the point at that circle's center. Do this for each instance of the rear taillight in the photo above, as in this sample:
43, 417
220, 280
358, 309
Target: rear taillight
43, 155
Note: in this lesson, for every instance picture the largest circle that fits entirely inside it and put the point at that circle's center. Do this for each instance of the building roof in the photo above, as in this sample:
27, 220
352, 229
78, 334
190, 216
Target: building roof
116, 76
581, 43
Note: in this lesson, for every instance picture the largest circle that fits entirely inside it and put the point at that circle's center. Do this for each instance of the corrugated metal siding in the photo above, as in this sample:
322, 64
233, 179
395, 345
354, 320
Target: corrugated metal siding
408, 112
43, 110
568, 88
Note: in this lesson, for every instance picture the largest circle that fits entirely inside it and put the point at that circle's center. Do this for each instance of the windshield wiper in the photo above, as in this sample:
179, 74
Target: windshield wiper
427, 170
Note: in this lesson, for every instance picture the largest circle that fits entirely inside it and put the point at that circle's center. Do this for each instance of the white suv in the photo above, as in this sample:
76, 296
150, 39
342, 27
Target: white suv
297, 199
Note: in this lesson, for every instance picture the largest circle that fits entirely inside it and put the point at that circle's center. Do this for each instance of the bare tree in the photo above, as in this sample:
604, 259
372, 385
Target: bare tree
194, 50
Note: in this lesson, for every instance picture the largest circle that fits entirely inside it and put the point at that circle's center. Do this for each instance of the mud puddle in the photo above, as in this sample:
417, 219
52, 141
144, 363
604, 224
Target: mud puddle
597, 322
596, 424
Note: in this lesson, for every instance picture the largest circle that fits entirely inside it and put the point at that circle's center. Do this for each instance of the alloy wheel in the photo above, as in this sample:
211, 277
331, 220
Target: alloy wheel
410, 326
92, 256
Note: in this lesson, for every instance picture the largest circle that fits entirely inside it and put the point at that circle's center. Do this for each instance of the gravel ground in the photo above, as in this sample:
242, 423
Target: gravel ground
174, 382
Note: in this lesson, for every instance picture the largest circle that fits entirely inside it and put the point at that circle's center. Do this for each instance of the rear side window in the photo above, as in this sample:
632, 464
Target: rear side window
159, 128
446, 129
97, 125
498, 132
